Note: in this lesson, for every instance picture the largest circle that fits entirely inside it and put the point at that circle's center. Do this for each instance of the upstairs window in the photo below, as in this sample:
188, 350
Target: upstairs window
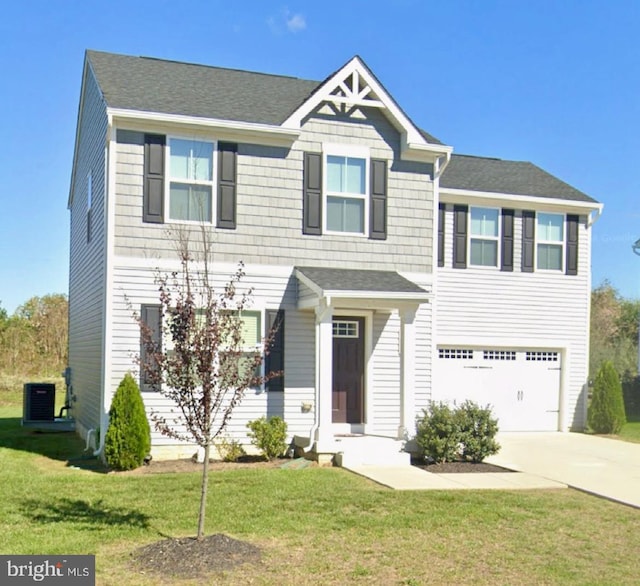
346, 194
549, 241
190, 180
484, 237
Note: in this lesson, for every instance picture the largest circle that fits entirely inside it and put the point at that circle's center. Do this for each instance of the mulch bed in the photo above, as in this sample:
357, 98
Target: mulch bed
459, 467
190, 465
189, 558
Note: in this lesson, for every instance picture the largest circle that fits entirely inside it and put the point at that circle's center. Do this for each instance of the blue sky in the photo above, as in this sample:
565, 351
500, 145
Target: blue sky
555, 83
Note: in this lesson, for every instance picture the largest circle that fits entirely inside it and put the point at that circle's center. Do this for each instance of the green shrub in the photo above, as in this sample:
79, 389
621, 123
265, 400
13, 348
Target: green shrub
606, 411
269, 436
477, 429
230, 450
437, 434
128, 439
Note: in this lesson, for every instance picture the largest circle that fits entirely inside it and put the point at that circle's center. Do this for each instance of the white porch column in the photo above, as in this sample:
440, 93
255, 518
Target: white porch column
407, 372
324, 376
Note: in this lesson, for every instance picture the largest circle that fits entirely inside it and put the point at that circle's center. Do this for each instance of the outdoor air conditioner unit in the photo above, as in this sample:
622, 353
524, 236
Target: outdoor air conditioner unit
39, 402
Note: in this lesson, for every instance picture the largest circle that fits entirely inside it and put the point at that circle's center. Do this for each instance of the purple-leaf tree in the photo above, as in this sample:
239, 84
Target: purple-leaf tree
200, 362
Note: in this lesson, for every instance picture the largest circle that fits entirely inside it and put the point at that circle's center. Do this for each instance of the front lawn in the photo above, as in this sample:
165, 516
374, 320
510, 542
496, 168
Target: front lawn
631, 431
314, 526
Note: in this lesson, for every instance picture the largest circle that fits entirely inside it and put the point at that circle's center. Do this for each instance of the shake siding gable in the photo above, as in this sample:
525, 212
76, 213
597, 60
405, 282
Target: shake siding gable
87, 261
269, 215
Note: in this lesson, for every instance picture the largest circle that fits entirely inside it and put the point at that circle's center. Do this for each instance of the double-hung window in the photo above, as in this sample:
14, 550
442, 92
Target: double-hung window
484, 237
346, 189
549, 241
251, 347
190, 180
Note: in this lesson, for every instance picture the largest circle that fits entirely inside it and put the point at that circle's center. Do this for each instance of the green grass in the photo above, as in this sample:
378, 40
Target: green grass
315, 526
631, 431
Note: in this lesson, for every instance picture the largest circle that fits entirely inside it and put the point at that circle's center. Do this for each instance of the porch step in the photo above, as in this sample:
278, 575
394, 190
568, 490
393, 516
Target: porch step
367, 450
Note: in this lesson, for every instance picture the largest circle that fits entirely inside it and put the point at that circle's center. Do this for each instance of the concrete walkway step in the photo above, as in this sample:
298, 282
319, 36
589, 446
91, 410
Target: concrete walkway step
354, 451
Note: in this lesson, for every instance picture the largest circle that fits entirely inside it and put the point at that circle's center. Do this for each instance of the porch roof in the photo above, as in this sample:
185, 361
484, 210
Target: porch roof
360, 284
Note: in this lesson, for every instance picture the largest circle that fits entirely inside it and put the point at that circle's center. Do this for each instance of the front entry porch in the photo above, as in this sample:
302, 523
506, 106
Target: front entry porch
349, 420
354, 450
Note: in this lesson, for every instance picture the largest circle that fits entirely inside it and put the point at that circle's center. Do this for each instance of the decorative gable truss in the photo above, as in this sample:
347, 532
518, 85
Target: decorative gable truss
354, 87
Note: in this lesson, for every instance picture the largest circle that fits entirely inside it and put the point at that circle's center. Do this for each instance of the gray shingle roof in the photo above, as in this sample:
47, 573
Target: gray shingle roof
330, 279
511, 177
170, 87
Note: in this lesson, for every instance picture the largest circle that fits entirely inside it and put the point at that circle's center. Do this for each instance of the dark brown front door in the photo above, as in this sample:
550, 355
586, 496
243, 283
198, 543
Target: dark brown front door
348, 370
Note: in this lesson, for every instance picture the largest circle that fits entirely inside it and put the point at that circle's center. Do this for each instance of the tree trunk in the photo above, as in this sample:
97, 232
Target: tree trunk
203, 493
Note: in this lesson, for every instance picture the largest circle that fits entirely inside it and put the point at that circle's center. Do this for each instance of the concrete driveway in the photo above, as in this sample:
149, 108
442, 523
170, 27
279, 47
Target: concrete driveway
604, 467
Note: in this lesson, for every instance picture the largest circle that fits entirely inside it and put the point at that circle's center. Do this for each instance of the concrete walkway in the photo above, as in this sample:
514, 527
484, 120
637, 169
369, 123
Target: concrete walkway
412, 478
605, 467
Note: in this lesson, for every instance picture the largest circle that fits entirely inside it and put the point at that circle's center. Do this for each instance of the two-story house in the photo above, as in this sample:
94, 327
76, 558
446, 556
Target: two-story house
399, 273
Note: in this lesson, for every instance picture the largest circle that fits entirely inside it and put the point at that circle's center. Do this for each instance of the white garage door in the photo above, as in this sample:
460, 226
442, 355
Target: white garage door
522, 386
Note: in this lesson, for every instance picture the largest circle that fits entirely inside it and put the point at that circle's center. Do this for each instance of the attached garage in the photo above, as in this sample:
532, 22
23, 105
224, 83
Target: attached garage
522, 386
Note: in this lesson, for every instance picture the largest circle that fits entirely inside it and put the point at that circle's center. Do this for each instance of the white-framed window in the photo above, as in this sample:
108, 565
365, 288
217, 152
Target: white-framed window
190, 180
252, 338
549, 241
346, 185
484, 235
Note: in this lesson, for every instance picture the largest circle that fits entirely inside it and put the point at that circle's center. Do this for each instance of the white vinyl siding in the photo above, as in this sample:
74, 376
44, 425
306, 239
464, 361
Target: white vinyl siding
540, 310
87, 260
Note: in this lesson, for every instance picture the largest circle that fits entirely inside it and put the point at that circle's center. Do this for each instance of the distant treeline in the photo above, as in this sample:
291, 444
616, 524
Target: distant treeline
33, 341
613, 331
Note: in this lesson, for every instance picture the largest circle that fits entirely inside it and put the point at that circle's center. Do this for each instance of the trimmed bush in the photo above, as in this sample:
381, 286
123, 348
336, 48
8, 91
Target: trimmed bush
269, 436
464, 433
230, 450
477, 429
128, 439
606, 411
437, 434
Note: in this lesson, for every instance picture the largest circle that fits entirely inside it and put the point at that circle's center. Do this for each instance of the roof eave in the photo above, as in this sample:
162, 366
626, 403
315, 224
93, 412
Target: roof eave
463, 195
255, 133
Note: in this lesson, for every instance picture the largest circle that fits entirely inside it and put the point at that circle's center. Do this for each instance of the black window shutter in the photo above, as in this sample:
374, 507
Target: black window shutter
227, 185
460, 236
378, 200
528, 240
312, 194
507, 241
274, 361
153, 189
151, 317
441, 218
573, 224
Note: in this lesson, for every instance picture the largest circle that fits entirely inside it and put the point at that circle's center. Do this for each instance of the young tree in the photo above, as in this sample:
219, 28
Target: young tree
203, 366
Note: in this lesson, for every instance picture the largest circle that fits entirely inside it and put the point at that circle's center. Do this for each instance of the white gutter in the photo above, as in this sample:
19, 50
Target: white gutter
263, 134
